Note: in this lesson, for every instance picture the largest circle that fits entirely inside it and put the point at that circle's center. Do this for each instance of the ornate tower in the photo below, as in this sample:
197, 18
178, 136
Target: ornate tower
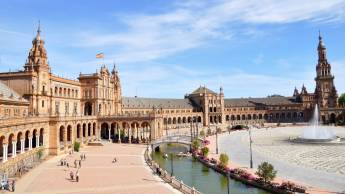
37, 59
325, 92
117, 91
37, 66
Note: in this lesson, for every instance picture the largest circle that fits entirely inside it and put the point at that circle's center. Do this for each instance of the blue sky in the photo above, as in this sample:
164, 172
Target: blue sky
169, 48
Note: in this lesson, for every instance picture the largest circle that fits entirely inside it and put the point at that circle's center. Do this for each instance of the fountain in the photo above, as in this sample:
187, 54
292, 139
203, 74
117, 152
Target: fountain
316, 133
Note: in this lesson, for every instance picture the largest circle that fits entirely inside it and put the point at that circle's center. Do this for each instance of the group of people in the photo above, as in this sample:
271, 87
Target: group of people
77, 164
8, 185
71, 174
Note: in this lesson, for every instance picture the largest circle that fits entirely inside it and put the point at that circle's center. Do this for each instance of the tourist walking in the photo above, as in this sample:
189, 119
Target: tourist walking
71, 175
75, 163
77, 176
13, 185
79, 163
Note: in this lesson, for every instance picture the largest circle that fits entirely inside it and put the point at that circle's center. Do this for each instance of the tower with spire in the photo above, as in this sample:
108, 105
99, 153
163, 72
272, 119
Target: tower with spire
117, 91
37, 59
325, 91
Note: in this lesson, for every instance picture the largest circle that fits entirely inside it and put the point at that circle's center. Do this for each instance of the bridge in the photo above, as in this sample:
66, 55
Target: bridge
178, 139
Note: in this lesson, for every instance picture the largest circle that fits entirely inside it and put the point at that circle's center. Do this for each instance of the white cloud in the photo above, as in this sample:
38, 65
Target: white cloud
192, 23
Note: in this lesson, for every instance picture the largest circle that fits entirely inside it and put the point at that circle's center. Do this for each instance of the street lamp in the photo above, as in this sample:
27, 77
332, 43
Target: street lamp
250, 148
147, 146
166, 127
228, 181
172, 164
216, 138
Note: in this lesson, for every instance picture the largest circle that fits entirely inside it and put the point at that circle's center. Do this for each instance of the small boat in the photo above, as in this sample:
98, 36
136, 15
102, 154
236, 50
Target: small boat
165, 156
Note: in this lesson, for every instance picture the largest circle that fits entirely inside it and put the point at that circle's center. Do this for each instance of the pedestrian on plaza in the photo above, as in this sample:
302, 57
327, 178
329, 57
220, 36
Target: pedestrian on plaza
81, 156
67, 165
13, 185
79, 163
84, 156
77, 176
71, 175
75, 163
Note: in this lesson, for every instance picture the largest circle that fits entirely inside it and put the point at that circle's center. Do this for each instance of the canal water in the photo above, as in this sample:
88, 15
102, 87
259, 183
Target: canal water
193, 173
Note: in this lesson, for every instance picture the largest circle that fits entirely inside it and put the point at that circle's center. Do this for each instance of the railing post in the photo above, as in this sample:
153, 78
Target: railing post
193, 190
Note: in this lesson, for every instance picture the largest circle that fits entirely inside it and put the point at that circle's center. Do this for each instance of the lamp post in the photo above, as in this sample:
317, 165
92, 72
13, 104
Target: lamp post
172, 164
250, 148
166, 127
228, 181
216, 138
147, 146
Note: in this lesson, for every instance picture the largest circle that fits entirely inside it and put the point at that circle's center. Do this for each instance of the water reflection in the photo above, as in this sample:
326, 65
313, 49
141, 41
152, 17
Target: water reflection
195, 174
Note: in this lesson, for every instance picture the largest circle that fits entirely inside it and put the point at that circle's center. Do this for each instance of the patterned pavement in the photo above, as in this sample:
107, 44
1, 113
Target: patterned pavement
97, 175
318, 165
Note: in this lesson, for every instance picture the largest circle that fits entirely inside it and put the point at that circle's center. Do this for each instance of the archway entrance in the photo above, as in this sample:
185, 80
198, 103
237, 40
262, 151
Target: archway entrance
104, 131
332, 118
88, 109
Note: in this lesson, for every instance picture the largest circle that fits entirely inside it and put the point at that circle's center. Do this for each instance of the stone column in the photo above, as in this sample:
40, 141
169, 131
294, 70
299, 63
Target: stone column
109, 133
14, 149
37, 141
119, 134
22, 146
30, 143
129, 134
4, 154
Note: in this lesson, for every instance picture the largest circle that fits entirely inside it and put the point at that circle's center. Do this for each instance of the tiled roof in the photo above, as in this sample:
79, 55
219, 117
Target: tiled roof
135, 102
201, 90
8, 94
277, 100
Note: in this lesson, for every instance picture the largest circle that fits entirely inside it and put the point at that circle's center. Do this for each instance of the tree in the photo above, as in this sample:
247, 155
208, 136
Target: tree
76, 146
341, 100
223, 159
195, 144
266, 172
209, 132
202, 133
204, 151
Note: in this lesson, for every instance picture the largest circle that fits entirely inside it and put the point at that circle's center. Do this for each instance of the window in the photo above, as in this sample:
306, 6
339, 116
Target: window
42, 103
66, 108
75, 108
57, 105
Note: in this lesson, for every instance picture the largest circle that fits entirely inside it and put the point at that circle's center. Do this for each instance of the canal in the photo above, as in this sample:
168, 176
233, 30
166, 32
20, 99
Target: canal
193, 173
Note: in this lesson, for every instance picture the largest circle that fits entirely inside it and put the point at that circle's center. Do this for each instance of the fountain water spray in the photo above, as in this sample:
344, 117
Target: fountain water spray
315, 131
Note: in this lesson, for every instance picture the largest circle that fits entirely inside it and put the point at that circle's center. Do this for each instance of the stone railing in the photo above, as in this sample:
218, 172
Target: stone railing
27, 160
164, 175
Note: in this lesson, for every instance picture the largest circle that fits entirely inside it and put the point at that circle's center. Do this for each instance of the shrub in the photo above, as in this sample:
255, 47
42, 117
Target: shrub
223, 159
341, 100
209, 132
40, 153
202, 133
204, 151
76, 146
195, 144
266, 172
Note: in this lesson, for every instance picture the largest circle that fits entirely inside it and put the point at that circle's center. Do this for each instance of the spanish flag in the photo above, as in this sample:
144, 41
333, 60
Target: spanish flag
100, 56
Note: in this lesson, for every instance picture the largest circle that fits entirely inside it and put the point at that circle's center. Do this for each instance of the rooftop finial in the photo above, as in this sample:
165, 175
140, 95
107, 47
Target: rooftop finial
39, 28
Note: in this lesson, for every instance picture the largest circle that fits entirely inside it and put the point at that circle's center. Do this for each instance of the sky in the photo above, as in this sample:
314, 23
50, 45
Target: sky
168, 48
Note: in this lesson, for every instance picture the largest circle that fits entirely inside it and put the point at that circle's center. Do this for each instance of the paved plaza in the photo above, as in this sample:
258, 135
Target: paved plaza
97, 175
322, 166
